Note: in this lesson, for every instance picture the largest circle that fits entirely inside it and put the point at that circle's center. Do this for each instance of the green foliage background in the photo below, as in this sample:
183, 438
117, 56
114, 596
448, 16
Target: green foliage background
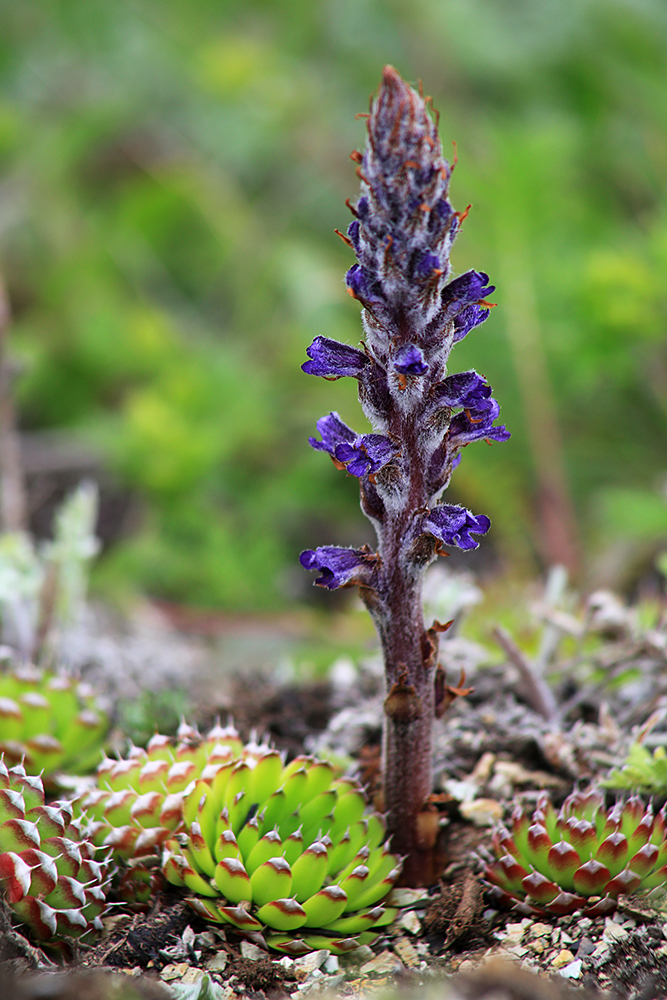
171, 176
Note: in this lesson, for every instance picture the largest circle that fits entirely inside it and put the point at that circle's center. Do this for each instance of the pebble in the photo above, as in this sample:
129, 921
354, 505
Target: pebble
386, 963
515, 932
410, 922
218, 962
539, 930
562, 959
482, 812
361, 954
586, 947
174, 971
572, 970
193, 976
313, 961
613, 931
251, 951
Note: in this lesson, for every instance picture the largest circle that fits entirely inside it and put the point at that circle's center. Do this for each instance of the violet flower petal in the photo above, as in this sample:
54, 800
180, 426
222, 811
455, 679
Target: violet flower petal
333, 432
466, 290
366, 454
454, 525
467, 389
468, 319
476, 424
361, 454
340, 567
409, 360
330, 359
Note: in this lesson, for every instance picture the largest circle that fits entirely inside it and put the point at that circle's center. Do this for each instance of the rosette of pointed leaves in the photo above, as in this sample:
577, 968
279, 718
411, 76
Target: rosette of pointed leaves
643, 771
285, 852
138, 800
50, 872
49, 721
581, 858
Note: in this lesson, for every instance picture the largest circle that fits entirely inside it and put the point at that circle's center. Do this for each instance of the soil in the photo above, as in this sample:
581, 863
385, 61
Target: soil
493, 748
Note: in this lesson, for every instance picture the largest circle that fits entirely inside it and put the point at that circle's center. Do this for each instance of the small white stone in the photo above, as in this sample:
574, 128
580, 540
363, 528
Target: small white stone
251, 951
562, 959
613, 931
572, 970
409, 921
313, 960
482, 812
386, 963
332, 964
539, 930
218, 962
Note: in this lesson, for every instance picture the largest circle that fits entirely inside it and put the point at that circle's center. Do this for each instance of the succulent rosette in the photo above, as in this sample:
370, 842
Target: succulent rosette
580, 858
138, 800
49, 721
51, 876
285, 852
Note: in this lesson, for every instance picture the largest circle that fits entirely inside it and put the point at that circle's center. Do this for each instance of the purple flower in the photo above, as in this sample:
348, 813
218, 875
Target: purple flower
468, 319
475, 423
454, 525
333, 360
341, 567
363, 287
468, 289
361, 455
409, 360
466, 389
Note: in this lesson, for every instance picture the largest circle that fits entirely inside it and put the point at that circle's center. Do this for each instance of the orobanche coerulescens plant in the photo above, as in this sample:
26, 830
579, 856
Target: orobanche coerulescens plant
580, 858
285, 851
413, 313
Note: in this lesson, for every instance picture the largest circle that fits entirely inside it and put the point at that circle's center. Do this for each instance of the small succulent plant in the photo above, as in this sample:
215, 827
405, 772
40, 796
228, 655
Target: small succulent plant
581, 858
50, 874
138, 800
49, 721
275, 849
643, 771
262, 846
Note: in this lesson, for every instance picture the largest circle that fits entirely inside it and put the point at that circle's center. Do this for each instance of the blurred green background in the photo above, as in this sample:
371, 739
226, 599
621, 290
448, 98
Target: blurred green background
171, 175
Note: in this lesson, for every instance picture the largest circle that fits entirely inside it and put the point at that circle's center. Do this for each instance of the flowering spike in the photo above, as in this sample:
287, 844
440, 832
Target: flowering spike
413, 312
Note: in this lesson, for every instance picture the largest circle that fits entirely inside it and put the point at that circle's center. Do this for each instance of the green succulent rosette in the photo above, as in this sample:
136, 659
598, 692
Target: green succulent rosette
50, 722
137, 802
581, 858
51, 875
286, 852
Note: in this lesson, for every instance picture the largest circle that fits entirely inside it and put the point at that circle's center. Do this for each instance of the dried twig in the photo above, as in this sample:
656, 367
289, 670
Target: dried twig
536, 691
